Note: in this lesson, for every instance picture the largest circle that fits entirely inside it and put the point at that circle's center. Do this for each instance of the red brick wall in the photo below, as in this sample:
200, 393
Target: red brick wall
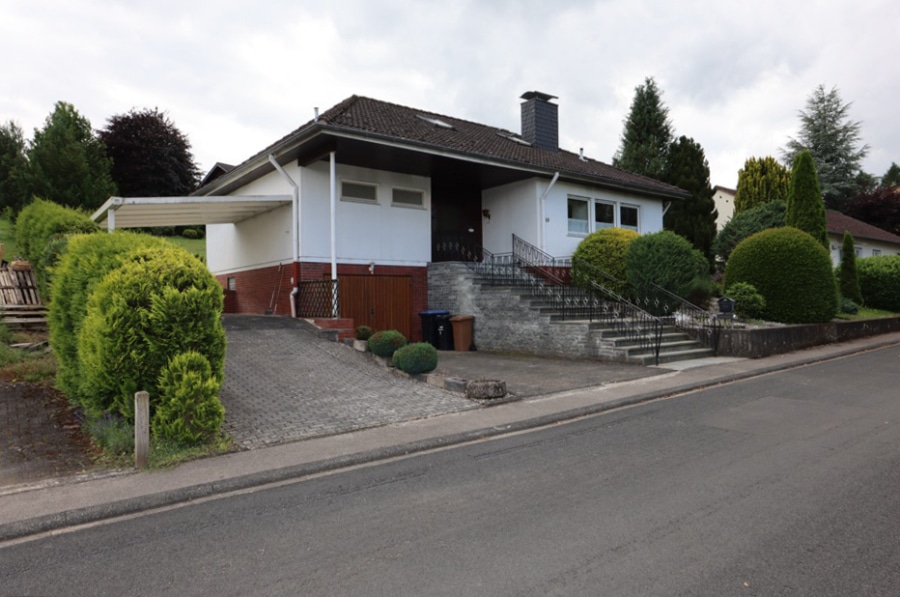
254, 288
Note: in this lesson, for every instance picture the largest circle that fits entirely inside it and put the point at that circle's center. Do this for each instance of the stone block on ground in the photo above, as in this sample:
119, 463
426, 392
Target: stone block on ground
485, 389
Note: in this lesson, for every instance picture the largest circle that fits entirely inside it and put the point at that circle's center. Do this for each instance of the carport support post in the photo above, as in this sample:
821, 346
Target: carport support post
141, 429
111, 220
334, 287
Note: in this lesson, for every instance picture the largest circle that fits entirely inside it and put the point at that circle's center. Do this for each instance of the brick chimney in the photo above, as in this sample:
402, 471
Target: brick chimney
540, 121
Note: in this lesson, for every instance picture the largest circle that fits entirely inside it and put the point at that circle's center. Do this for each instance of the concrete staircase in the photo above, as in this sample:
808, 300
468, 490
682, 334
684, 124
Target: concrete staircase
512, 318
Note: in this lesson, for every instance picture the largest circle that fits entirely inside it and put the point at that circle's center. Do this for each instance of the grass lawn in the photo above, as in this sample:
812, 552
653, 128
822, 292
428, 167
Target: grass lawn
867, 313
197, 246
8, 239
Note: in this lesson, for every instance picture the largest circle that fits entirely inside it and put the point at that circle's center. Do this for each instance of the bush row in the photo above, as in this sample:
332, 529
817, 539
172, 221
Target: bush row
879, 281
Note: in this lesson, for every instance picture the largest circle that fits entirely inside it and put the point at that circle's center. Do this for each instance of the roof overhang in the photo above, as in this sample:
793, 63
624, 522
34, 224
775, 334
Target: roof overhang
148, 212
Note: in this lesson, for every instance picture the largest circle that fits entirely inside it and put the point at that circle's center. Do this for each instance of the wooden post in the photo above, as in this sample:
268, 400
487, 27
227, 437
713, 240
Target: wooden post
141, 429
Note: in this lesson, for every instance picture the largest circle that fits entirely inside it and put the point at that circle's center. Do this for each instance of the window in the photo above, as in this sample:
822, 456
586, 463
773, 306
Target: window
359, 191
408, 198
231, 283
604, 215
858, 250
578, 216
628, 217
876, 252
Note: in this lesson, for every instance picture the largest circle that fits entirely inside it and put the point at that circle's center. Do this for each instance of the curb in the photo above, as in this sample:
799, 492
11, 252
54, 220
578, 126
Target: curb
51, 522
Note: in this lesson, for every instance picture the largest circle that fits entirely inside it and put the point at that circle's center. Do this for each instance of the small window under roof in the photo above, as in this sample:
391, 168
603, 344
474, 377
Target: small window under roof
435, 121
514, 138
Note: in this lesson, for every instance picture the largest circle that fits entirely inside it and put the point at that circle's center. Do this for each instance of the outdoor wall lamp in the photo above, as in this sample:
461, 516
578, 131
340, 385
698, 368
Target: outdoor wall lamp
486, 213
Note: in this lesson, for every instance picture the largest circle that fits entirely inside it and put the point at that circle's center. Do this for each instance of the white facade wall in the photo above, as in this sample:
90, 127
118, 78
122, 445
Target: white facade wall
864, 248
378, 232
724, 201
514, 210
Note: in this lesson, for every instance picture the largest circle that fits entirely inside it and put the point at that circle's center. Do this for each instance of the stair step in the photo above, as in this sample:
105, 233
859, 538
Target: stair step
671, 357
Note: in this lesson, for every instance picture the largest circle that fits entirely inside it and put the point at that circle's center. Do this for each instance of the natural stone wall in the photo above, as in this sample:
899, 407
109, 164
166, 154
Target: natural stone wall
762, 342
503, 320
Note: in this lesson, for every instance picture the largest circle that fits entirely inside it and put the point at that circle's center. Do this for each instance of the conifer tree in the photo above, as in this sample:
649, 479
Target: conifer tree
693, 218
761, 180
848, 279
805, 209
647, 135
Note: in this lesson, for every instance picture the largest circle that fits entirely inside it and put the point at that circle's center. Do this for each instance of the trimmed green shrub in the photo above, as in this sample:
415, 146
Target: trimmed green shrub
748, 302
805, 208
879, 281
386, 342
667, 260
419, 357
159, 303
849, 306
40, 224
748, 223
188, 409
363, 332
190, 233
604, 250
848, 279
87, 260
791, 270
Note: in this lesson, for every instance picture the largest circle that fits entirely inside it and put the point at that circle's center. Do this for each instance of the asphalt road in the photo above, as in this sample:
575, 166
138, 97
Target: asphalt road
788, 484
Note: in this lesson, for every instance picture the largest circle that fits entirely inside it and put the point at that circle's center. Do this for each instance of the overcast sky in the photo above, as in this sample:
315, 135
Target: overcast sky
236, 76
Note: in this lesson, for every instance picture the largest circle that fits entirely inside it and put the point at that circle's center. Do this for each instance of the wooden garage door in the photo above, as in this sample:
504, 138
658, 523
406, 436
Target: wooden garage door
380, 302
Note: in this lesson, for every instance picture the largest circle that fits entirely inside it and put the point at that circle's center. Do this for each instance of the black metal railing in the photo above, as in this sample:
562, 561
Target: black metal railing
456, 248
699, 324
320, 298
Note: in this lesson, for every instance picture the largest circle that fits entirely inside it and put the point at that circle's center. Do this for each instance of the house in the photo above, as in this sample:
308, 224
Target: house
724, 199
868, 240
370, 192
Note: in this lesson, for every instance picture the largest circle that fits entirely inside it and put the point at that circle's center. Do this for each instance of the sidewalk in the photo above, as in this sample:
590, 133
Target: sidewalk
52, 507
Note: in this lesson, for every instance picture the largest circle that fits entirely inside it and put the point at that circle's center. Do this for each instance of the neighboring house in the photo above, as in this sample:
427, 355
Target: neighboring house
724, 198
868, 240
371, 192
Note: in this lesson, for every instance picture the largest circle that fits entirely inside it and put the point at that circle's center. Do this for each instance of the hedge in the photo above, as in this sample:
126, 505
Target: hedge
188, 409
88, 259
161, 302
879, 281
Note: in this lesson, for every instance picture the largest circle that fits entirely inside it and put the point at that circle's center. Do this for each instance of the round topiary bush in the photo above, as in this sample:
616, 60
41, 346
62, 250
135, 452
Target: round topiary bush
363, 332
604, 250
748, 302
747, 223
791, 270
667, 260
188, 409
419, 357
386, 342
879, 281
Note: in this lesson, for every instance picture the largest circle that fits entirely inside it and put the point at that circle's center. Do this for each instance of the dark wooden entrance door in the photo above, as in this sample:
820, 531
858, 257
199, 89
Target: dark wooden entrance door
380, 302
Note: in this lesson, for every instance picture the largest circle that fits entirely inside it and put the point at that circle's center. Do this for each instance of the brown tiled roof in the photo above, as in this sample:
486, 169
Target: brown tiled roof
839, 223
366, 117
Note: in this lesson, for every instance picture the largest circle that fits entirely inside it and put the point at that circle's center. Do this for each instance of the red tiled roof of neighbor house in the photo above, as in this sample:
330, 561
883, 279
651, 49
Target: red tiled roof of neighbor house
838, 223
367, 118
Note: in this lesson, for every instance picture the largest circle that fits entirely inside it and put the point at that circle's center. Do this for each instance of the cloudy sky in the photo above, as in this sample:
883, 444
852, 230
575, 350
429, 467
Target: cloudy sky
235, 76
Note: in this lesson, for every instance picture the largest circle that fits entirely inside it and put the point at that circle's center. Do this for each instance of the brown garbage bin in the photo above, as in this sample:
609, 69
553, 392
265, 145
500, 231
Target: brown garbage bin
462, 331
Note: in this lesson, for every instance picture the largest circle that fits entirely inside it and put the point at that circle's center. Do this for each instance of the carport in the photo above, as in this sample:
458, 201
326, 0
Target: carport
149, 212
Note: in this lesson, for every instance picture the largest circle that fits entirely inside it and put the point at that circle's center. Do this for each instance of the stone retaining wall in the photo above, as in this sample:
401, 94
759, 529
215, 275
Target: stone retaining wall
762, 342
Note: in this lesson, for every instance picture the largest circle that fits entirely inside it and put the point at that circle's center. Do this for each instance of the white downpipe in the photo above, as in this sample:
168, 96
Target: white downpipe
541, 215
294, 294
333, 177
295, 211
110, 220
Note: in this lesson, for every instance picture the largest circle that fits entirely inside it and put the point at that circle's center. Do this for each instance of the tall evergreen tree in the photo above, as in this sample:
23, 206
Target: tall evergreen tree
834, 142
151, 157
805, 209
761, 180
848, 279
647, 135
67, 164
891, 178
694, 218
13, 195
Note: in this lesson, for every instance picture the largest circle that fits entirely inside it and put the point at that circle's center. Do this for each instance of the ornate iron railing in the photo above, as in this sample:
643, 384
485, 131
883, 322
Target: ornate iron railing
699, 324
320, 298
457, 248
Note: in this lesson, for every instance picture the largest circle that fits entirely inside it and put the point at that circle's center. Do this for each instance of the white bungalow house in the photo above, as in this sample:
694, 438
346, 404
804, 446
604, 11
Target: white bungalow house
868, 240
370, 193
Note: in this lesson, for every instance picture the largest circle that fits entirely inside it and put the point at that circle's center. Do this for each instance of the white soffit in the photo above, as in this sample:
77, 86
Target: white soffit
147, 212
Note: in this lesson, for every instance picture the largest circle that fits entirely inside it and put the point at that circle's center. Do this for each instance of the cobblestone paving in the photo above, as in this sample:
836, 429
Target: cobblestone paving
283, 383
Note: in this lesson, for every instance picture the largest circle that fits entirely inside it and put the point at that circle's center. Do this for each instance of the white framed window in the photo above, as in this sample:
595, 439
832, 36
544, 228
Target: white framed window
231, 283
578, 215
604, 215
408, 197
629, 217
360, 192
858, 250
876, 252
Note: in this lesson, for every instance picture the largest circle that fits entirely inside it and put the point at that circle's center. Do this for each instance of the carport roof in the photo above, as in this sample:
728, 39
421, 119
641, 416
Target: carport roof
140, 212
